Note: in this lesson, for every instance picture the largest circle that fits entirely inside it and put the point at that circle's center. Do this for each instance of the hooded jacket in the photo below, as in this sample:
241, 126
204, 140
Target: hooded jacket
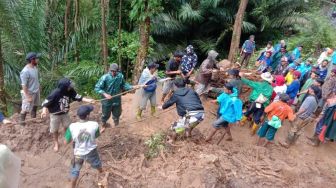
205, 72
58, 101
186, 99
230, 106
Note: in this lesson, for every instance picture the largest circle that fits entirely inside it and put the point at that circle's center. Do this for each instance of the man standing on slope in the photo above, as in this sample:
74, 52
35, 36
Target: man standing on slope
30, 87
110, 84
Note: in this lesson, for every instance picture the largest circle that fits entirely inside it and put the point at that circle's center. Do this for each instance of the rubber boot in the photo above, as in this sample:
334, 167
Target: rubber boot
153, 110
254, 129
314, 141
23, 119
116, 122
138, 115
33, 112
243, 121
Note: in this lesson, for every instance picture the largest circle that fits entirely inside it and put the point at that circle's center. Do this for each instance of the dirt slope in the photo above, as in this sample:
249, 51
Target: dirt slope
189, 163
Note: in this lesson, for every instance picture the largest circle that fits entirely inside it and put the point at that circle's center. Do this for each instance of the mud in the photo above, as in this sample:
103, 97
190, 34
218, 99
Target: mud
188, 163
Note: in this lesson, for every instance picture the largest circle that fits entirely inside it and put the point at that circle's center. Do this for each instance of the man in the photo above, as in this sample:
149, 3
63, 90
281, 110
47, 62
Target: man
189, 107
149, 79
58, 105
189, 62
294, 87
205, 72
323, 69
313, 76
247, 51
230, 111
329, 85
303, 116
264, 63
172, 70
277, 57
280, 45
305, 68
296, 54
83, 134
276, 112
259, 98
282, 68
30, 87
110, 84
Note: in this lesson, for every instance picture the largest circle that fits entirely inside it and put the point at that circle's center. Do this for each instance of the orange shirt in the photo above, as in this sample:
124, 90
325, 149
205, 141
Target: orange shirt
280, 109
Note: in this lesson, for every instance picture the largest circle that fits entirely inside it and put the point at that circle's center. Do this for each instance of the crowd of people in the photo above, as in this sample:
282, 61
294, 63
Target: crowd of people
291, 88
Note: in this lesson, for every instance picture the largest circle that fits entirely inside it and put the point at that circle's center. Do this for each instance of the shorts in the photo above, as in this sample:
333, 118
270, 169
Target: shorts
220, 123
92, 158
168, 86
267, 131
28, 106
182, 124
56, 120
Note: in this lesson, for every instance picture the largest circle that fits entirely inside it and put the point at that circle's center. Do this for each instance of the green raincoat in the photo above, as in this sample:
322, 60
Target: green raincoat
258, 88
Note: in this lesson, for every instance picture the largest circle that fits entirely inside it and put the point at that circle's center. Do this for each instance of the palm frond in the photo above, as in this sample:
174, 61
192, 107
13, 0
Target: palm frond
187, 13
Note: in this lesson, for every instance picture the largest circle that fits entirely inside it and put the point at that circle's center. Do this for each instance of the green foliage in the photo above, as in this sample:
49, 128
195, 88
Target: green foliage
139, 11
155, 145
85, 75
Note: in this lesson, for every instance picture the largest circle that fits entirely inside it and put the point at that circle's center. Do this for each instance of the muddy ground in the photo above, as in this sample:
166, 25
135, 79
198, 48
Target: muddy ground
188, 163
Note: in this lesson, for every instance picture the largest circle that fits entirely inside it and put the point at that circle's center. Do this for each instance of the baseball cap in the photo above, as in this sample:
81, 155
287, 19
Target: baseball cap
114, 67
84, 110
234, 72
32, 55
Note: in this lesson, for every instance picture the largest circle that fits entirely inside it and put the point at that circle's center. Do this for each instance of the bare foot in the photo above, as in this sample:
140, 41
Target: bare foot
56, 148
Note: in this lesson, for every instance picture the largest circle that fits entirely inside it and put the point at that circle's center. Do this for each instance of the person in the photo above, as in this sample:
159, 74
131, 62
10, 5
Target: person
205, 72
110, 84
264, 63
259, 98
247, 51
290, 75
325, 55
58, 105
277, 57
303, 116
332, 64
327, 118
304, 69
189, 107
149, 79
229, 111
83, 134
282, 68
30, 92
279, 87
280, 45
269, 48
294, 87
296, 53
172, 70
328, 85
313, 76
276, 112
323, 69
189, 62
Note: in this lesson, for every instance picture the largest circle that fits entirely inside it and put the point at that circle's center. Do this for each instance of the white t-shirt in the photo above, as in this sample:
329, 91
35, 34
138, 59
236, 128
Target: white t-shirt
279, 90
84, 135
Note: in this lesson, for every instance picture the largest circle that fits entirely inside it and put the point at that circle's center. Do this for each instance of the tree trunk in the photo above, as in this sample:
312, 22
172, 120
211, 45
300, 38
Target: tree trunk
236, 33
3, 102
76, 28
144, 29
119, 34
66, 32
104, 34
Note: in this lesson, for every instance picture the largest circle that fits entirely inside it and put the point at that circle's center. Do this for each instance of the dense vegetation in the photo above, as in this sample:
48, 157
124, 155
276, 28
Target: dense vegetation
79, 38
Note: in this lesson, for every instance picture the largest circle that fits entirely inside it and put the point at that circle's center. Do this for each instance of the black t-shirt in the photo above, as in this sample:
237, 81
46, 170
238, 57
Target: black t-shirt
58, 102
172, 65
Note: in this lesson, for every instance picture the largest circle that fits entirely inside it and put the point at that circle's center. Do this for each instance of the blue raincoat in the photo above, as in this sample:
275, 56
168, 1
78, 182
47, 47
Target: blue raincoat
230, 106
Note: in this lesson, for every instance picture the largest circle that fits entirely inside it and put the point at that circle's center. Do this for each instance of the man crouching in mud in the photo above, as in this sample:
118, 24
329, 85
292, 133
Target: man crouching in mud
189, 108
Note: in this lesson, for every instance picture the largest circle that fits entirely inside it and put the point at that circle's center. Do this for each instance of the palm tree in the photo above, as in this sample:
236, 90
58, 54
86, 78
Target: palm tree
104, 5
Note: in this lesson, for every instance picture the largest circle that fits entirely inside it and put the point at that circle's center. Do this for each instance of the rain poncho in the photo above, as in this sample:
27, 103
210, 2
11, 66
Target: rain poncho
230, 106
263, 87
